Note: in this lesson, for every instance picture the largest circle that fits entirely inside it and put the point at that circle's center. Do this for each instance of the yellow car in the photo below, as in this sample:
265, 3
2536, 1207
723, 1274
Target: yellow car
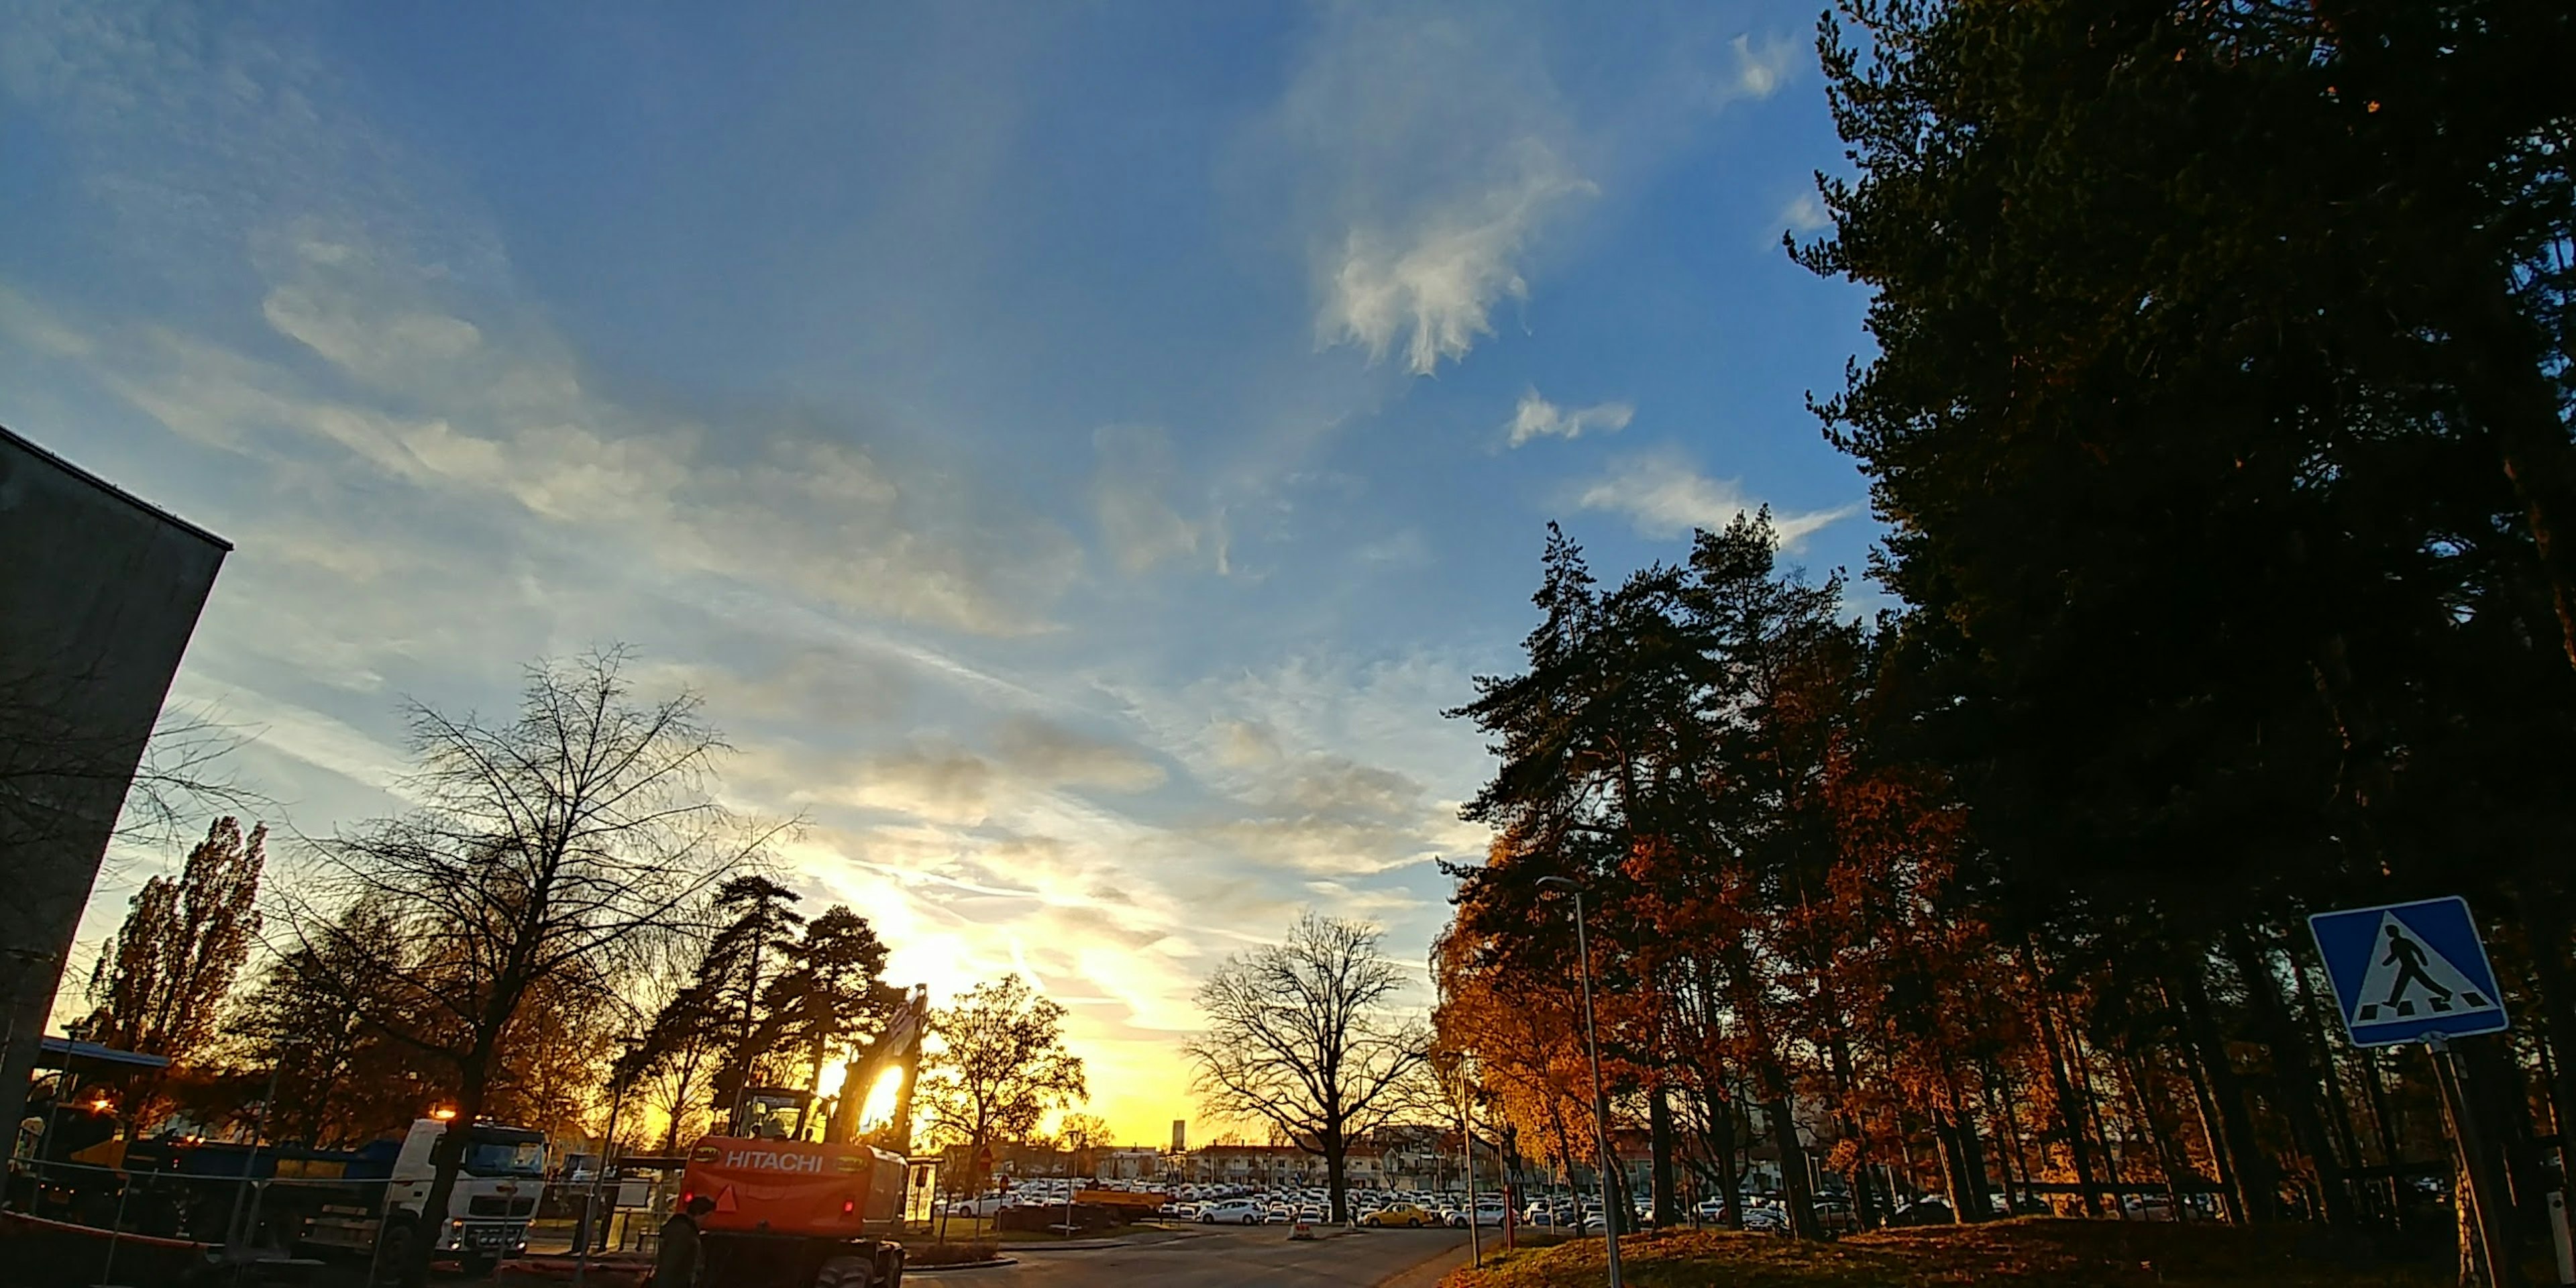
1403, 1214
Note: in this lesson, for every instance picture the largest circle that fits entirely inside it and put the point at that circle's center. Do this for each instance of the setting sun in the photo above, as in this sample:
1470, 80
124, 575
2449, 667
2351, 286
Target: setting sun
878, 1109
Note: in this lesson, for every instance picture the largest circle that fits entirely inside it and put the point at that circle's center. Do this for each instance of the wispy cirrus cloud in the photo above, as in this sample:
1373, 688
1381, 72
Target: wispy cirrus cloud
1663, 495
1536, 417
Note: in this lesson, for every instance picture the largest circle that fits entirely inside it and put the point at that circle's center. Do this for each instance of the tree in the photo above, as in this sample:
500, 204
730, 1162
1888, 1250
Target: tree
996, 1066
1084, 1136
758, 933
162, 980
1303, 1035
833, 990
340, 1079
545, 849
2222, 426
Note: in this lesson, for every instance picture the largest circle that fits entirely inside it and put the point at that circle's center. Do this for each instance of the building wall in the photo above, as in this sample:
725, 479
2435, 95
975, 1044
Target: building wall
98, 595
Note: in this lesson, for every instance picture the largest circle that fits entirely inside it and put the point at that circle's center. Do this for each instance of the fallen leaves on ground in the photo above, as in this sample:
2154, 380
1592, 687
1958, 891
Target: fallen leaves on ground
2035, 1252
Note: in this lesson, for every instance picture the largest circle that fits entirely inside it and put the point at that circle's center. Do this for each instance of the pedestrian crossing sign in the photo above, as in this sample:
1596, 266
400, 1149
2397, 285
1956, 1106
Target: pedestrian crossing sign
2407, 972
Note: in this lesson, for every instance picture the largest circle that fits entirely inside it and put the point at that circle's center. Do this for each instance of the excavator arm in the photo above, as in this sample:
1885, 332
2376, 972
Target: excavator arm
897, 1047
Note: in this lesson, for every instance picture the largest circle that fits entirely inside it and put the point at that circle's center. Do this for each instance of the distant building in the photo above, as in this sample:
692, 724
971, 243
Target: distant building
1253, 1165
99, 593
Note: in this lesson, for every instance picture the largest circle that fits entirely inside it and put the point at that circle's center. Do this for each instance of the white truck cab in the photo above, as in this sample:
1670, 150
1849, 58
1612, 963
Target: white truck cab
497, 1187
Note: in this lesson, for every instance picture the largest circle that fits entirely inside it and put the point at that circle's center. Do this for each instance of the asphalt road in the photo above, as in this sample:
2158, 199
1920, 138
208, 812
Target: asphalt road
1263, 1257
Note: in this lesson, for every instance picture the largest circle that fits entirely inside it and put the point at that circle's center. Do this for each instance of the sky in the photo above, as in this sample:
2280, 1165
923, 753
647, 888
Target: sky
1076, 450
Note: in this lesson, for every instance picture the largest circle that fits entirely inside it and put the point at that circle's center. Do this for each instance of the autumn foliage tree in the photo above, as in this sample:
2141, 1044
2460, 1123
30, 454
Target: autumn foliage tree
163, 980
2218, 411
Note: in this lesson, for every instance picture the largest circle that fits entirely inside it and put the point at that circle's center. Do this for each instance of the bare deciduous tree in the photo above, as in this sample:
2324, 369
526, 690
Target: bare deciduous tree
1302, 1035
544, 850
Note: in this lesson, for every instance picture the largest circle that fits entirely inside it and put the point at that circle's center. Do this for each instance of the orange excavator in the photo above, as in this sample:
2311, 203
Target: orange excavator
792, 1212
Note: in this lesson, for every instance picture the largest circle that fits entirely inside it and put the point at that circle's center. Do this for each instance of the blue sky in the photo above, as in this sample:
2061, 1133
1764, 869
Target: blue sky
1076, 449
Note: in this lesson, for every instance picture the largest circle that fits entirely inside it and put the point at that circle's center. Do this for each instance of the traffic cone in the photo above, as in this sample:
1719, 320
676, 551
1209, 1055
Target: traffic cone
1303, 1229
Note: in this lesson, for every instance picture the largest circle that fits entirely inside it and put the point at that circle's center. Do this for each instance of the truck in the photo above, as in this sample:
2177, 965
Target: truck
362, 1202
377, 1211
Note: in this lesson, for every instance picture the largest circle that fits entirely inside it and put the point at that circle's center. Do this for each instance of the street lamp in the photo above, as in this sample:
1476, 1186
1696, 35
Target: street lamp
1600, 1093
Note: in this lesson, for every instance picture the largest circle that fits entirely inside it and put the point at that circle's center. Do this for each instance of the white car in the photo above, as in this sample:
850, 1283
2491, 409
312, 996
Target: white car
1234, 1212
1487, 1214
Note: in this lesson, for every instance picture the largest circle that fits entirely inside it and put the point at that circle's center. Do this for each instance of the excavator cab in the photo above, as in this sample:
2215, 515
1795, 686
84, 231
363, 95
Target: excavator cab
772, 1113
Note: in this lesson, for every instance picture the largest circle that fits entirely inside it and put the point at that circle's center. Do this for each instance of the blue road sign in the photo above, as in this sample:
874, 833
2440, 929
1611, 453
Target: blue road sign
2405, 972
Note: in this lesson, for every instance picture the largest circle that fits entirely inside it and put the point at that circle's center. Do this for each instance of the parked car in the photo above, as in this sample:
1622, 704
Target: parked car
1234, 1212
1487, 1214
1409, 1215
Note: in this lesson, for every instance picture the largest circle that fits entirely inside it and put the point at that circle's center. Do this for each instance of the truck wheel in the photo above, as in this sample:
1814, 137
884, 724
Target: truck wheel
845, 1272
398, 1250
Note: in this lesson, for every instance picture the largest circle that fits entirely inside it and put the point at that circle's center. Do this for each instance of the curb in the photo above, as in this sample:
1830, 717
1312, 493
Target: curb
1069, 1245
911, 1269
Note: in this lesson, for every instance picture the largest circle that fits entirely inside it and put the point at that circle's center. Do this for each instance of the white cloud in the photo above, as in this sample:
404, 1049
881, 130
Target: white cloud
1664, 496
1433, 286
1536, 417
1760, 69
1806, 213
1426, 151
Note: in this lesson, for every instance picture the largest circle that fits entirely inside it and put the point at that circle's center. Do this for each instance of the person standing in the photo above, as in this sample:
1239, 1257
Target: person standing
677, 1263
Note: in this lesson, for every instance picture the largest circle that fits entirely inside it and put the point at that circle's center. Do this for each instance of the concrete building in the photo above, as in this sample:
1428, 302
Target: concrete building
99, 593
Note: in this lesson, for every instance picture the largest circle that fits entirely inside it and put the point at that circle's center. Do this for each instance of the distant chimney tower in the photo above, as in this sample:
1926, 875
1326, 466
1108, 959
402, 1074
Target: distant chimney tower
1180, 1135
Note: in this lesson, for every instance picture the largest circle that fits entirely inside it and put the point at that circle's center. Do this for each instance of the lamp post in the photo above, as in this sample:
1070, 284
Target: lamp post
1600, 1092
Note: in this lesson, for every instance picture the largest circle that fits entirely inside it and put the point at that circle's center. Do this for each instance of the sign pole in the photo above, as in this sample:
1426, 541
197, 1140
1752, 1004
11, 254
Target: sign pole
2486, 1206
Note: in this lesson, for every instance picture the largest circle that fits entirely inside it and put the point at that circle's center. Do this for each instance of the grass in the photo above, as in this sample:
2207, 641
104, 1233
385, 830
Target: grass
2036, 1252
949, 1254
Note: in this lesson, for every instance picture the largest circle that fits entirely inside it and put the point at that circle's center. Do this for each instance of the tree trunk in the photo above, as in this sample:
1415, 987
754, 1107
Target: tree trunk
1794, 1186
1999, 1106
1722, 1125
2254, 1186
2544, 925
2133, 1079
1337, 1166
2070, 1124
2296, 1081
2384, 1118
2111, 1158
1972, 1205
1954, 1165
1659, 1126
2320, 1039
